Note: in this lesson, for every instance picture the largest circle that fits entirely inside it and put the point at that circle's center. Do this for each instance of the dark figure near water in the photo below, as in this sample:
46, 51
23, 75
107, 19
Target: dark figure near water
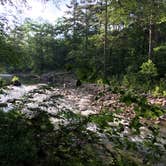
78, 83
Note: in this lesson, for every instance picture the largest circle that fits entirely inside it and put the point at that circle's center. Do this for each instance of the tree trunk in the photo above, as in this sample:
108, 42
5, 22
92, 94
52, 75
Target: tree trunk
86, 31
74, 18
150, 40
151, 33
105, 39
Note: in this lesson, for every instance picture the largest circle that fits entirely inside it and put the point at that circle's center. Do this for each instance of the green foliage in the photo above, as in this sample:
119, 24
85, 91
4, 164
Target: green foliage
130, 80
156, 91
164, 93
160, 48
35, 141
2, 82
2, 70
160, 59
160, 89
129, 97
15, 78
76, 42
135, 124
82, 73
102, 119
16, 140
68, 67
100, 81
148, 69
142, 107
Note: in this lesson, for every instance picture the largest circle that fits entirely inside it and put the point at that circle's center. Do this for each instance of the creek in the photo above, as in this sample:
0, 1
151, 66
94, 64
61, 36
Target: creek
31, 99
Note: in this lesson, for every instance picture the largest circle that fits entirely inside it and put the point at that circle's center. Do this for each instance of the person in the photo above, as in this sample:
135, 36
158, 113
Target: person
78, 83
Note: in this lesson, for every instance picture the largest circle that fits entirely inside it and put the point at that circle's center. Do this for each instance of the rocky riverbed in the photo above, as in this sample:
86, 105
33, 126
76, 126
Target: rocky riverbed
87, 100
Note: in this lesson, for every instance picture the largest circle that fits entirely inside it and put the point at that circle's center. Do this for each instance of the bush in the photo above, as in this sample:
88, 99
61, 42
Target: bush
148, 74
17, 145
160, 59
130, 80
148, 69
160, 89
15, 78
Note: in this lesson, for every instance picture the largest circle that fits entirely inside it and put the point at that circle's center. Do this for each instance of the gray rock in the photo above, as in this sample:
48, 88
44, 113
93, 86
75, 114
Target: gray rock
11, 101
16, 83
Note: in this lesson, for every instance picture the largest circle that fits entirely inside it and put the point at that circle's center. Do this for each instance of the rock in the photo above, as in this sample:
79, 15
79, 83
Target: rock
161, 140
145, 132
16, 83
92, 127
11, 100
2, 91
3, 105
113, 124
88, 112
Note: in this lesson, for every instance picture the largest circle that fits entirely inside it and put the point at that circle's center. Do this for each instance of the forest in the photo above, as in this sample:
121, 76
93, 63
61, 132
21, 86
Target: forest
86, 90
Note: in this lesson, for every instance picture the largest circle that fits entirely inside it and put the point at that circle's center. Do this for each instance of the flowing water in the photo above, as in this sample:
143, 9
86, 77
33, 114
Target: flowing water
6, 75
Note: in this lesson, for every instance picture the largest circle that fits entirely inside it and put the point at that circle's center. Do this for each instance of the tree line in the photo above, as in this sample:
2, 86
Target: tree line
97, 39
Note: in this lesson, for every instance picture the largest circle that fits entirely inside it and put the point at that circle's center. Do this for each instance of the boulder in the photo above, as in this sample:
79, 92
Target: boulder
11, 101
16, 83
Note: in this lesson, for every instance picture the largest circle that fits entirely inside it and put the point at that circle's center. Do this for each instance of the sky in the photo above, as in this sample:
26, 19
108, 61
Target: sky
35, 10
48, 11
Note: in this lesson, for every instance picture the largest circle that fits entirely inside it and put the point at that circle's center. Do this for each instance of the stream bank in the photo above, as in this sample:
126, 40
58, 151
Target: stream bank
92, 109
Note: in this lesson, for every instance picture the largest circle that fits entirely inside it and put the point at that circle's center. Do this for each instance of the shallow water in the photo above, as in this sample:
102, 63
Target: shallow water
6, 75
12, 93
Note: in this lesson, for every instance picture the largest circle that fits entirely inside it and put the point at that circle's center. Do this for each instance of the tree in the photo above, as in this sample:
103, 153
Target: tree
145, 13
105, 39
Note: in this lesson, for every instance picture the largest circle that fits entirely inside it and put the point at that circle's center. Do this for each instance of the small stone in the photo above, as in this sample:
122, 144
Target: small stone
113, 124
88, 112
11, 100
